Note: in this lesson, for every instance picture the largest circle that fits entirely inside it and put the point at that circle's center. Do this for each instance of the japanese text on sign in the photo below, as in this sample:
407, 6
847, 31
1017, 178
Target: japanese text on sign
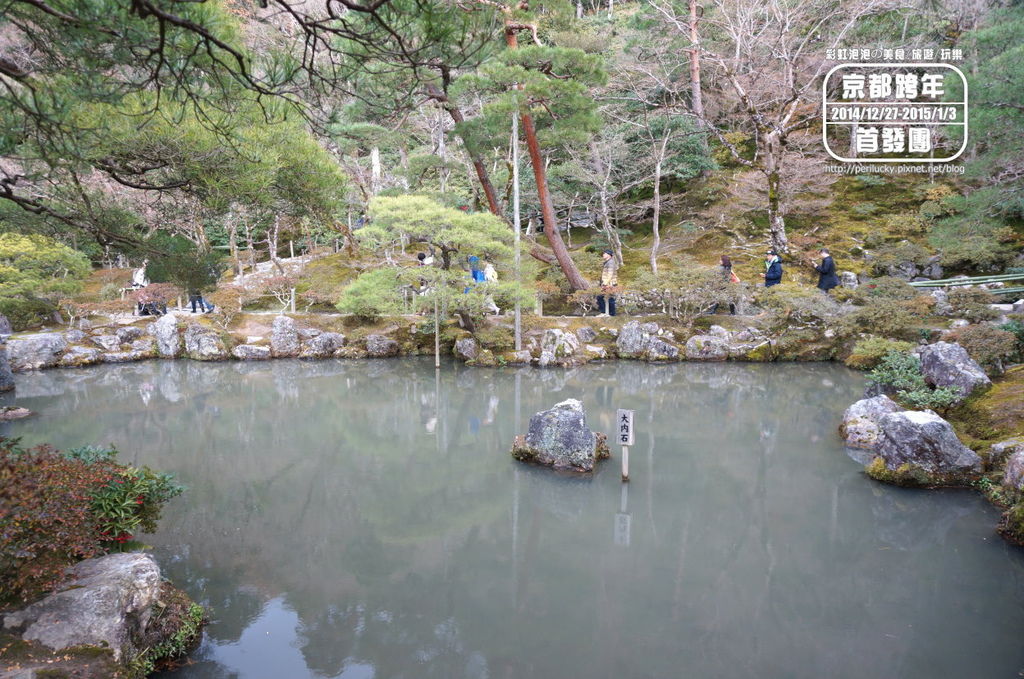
624, 427
894, 112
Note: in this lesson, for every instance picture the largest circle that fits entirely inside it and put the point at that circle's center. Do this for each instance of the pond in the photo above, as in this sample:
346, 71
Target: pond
365, 519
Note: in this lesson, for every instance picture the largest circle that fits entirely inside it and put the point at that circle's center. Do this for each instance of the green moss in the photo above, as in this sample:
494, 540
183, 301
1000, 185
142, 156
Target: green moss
905, 475
912, 476
1012, 525
327, 276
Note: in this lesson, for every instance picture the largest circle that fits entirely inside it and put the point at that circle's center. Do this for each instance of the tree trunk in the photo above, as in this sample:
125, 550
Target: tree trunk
776, 222
565, 262
696, 96
375, 170
655, 223
606, 223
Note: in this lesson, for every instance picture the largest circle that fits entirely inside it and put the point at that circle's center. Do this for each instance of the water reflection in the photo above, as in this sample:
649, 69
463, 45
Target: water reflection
364, 519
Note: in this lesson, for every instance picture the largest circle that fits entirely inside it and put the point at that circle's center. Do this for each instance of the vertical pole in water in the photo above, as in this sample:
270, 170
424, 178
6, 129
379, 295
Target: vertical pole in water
292, 302
625, 463
515, 222
437, 336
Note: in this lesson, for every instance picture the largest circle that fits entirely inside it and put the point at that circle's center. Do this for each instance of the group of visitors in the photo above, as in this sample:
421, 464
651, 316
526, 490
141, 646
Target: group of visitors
826, 268
486, 273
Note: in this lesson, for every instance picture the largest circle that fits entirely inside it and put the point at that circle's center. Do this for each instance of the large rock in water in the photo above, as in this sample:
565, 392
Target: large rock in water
165, 331
108, 604
284, 338
6, 376
924, 440
860, 425
39, 350
560, 438
947, 364
204, 344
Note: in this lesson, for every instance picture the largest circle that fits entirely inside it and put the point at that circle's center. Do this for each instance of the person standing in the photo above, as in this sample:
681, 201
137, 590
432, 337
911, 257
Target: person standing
491, 276
609, 279
827, 278
725, 269
772, 268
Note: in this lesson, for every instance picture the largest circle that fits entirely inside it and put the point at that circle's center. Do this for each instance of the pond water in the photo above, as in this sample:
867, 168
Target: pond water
365, 519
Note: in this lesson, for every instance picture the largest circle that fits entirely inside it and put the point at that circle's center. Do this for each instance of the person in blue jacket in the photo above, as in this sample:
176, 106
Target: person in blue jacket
827, 278
772, 269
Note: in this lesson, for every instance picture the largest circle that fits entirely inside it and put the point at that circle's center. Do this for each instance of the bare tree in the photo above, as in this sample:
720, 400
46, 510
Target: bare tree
769, 57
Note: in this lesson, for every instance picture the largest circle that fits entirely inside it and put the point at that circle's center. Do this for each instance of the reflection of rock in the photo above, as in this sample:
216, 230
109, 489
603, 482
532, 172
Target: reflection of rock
923, 523
39, 350
379, 346
6, 376
924, 440
284, 338
860, 421
560, 438
947, 364
110, 605
14, 413
165, 330
251, 352
203, 344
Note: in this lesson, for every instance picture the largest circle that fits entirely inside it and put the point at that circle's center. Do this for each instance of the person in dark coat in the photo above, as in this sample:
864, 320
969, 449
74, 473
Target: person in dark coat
827, 278
772, 269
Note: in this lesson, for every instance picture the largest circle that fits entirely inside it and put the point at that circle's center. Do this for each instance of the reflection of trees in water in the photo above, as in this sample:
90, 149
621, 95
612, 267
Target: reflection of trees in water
756, 546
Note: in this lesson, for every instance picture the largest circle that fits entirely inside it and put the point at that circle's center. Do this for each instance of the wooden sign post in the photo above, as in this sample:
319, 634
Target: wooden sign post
624, 431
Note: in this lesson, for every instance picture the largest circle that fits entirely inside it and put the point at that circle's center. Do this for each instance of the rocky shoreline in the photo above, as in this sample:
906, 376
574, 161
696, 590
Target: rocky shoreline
920, 448
576, 343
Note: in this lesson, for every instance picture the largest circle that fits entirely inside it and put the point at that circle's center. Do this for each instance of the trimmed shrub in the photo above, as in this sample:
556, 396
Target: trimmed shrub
901, 372
798, 304
868, 352
972, 304
889, 259
986, 344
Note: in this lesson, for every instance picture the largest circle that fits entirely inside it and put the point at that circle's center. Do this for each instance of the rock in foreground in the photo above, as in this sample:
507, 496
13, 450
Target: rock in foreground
560, 438
116, 604
860, 421
921, 441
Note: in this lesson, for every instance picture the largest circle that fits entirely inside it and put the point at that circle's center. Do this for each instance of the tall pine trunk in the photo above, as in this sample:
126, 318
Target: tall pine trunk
547, 208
